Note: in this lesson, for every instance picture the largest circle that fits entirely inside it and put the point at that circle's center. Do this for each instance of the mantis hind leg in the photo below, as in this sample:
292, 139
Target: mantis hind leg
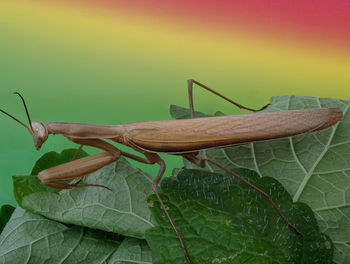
201, 163
190, 83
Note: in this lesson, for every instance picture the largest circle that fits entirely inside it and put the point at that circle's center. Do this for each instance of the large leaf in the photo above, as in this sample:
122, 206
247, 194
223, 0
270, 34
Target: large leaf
31, 238
123, 210
222, 220
314, 167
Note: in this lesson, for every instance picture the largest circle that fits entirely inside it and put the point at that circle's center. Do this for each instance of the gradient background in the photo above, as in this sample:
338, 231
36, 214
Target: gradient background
109, 62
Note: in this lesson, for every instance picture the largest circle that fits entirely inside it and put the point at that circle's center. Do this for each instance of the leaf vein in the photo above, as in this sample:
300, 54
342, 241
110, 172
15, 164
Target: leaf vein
310, 173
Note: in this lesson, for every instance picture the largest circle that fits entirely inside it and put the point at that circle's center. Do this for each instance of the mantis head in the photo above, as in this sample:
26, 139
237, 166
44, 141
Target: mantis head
37, 129
39, 133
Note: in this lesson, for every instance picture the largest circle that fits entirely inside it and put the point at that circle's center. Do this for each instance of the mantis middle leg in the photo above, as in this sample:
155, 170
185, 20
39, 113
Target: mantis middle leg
152, 158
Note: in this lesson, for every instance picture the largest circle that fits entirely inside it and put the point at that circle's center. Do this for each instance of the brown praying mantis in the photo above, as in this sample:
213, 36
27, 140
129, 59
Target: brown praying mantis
176, 137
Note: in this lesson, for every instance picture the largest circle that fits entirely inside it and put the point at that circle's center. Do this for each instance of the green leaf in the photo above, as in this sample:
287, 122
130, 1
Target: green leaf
5, 215
31, 238
314, 167
222, 220
132, 250
123, 210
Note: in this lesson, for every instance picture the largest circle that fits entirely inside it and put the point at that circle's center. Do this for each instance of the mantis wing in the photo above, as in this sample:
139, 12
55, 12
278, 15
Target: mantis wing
179, 136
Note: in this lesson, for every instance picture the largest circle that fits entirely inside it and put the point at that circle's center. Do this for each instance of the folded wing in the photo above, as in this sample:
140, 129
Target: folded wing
177, 136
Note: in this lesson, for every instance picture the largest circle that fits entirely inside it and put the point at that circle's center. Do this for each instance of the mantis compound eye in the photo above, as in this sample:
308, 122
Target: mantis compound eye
39, 133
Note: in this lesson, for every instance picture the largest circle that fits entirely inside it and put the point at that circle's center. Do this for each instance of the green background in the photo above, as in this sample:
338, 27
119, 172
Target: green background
70, 71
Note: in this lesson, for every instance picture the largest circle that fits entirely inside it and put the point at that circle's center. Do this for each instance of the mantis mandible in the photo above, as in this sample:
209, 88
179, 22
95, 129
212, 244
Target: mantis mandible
176, 137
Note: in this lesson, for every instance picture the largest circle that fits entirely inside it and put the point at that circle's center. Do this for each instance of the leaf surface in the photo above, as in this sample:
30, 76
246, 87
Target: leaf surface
132, 250
222, 220
31, 238
123, 210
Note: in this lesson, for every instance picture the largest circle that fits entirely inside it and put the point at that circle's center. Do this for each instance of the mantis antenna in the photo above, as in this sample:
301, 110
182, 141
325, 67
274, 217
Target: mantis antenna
25, 106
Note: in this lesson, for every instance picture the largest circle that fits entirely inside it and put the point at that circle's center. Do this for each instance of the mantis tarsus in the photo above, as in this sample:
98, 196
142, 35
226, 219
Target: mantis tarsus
177, 137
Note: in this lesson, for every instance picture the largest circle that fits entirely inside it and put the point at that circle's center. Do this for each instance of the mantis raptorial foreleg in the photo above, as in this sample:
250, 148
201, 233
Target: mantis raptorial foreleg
80, 167
75, 169
190, 83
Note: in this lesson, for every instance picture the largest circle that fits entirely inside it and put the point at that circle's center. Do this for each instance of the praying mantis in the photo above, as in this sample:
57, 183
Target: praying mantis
175, 137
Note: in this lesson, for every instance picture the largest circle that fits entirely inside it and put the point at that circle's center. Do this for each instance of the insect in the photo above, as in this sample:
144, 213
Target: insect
176, 137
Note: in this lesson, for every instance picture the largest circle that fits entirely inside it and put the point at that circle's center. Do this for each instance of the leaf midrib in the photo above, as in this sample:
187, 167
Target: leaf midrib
310, 173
